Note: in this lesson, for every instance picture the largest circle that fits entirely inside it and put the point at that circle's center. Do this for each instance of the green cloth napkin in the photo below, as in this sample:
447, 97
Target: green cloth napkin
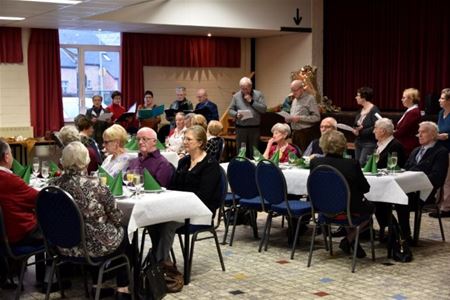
276, 157
370, 165
160, 145
150, 184
116, 185
53, 168
132, 144
17, 168
242, 152
26, 174
256, 154
102, 171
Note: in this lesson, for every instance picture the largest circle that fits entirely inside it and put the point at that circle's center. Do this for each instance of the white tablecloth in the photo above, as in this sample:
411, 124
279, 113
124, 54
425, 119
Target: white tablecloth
172, 157
154, 208
389, 188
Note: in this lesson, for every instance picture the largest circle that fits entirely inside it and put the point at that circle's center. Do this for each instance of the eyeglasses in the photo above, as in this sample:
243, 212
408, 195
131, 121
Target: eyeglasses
145, 139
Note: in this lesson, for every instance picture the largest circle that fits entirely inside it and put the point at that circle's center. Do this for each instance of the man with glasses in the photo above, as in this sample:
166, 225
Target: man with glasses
180, 104
327, 124
206, 107
162, 235
304, 115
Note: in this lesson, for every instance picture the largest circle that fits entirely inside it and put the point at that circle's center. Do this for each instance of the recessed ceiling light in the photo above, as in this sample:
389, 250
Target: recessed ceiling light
12, 18
209, 34
73, 2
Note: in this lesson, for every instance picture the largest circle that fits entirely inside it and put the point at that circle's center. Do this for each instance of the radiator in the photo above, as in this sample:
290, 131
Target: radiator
25, 132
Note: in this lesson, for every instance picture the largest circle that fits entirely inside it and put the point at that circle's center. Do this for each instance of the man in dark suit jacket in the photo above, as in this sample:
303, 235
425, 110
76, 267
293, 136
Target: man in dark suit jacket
430, 158
206, 107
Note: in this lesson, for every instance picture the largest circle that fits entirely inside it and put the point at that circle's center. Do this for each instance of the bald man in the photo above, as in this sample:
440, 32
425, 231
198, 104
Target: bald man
206, 107
327, 124
304, 116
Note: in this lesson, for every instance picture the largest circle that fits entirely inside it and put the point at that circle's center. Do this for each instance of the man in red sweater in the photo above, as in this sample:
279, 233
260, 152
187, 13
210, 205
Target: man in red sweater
18, 202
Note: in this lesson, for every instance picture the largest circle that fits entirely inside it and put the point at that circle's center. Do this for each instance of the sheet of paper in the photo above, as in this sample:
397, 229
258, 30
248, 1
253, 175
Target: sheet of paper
245, 113
344, 127
105, 117
378, 116
284, 114
132, 108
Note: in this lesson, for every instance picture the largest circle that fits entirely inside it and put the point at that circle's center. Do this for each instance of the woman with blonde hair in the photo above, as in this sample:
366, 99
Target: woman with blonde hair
408, 125
214, 145
114, 139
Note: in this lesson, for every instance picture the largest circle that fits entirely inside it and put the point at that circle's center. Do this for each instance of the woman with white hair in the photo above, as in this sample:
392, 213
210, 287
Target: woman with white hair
387, 144
114, 139
104, 232
278, 142
68, 134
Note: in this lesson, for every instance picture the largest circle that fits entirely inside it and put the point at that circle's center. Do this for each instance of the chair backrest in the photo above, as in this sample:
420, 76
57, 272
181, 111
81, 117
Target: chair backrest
241, 176
299, 151
4, 243
270, 182
59, 218
221, 148
328, 191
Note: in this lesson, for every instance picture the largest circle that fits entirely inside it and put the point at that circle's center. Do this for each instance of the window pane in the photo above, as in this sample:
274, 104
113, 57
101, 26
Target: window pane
102, 75
69, 82
83, 37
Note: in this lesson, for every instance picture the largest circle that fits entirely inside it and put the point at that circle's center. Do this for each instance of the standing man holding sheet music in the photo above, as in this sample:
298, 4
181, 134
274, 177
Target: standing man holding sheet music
246, 106
304, 116
205, 107
180, 104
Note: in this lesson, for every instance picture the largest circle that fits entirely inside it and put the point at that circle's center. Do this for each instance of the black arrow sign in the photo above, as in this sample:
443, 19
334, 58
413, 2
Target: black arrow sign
297, 18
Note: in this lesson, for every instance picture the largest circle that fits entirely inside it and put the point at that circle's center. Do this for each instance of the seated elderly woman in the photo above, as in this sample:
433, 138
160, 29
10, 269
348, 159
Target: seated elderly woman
333, 144
387, 144
174, 141
104, 233
278, 142
214, 145
114, 139
68, 134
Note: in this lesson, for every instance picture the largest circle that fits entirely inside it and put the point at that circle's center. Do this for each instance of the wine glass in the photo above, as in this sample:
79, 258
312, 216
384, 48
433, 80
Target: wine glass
392, 162
103, 179
376, 157
45, 170
128, 178
292, 159
138, 182
35, 165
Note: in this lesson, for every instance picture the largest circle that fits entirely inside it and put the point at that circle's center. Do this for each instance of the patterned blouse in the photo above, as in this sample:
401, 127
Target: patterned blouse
104, 232
114, 166
214, 147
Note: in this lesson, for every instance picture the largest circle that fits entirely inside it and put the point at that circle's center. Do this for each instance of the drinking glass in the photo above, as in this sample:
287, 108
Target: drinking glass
45, 170
138, 182
103, 179
392, 162
36, 163
128, 178
376, 156
292, 159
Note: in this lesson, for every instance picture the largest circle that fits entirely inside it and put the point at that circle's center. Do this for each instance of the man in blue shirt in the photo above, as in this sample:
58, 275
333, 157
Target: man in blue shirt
205, 107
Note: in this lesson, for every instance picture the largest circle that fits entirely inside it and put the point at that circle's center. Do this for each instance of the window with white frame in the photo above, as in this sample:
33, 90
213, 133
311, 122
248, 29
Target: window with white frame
90, 65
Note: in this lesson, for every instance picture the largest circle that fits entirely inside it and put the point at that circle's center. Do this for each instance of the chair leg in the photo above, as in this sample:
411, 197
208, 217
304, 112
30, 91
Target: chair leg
354, 249
324, 234
100, 281
312, 245
181, 245
234, 225
58, 278
372, 244
50, 280
85, 282
264, 232
297, 229
20, 283
191, 252
226, 221
440, 224
172, 254
330, 245
282, 222
219, 252
254, 224
268, 233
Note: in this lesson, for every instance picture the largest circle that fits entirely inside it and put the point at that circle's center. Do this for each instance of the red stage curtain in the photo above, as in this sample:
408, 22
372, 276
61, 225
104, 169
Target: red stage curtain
139, 50
388, 45
11, 45
44, 76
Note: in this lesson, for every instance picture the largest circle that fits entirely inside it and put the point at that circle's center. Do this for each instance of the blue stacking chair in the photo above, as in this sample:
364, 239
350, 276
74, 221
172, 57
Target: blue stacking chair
272, 188
241, 176
63, 227
194, 230
19, 253
329, 194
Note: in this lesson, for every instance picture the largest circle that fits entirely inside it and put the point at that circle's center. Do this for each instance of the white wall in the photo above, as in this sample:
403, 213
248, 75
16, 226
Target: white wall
14, 90
276, 58
219, 82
